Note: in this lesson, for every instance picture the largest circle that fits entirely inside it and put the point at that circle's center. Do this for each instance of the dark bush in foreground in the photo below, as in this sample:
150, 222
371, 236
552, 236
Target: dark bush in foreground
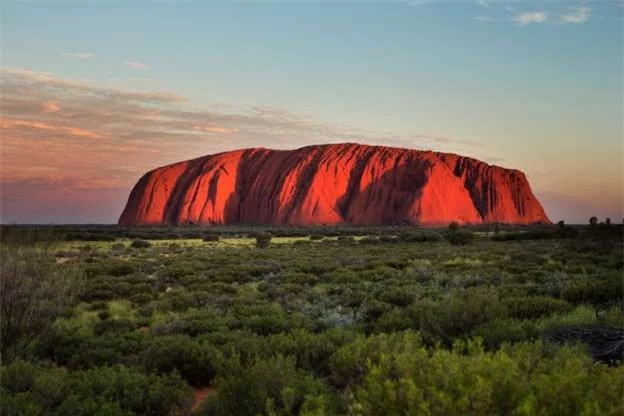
195, 362
274, 387
263, 240
28, 389
460, 237
535, 306
420, 236
140, 244
534, 234
395, 375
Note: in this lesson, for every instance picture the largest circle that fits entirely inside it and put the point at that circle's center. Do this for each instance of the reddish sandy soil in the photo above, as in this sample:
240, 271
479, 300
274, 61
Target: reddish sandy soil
200, 394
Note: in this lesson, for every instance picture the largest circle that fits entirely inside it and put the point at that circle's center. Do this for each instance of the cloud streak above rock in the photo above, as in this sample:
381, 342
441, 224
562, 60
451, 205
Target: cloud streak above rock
75, 138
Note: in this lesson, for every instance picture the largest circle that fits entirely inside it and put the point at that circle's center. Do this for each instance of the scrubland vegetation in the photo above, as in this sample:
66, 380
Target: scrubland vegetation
312, 321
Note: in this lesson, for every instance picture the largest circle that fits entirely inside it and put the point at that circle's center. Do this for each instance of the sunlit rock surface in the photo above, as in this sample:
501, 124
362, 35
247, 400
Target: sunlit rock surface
332, 184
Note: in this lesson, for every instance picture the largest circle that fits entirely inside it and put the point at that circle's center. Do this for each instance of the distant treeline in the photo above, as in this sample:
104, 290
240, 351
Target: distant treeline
17, 233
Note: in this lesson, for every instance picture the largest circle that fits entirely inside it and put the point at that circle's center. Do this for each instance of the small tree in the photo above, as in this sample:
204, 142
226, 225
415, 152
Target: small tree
453, 227
593, 221
561, 224
263, 240
608, 221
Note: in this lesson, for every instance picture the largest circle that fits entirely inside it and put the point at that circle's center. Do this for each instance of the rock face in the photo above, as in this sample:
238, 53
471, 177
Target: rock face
332, 184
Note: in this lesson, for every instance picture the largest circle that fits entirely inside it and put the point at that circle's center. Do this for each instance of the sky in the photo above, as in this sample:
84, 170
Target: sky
96, 93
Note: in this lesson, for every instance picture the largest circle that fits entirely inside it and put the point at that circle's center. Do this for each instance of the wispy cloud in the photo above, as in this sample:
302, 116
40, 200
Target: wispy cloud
524, 19
136, 64
39, 82
215, 129
11, 125
78, 55
579, 15
484, 3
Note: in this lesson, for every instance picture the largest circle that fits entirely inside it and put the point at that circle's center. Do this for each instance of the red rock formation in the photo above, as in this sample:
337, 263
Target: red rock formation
332, 184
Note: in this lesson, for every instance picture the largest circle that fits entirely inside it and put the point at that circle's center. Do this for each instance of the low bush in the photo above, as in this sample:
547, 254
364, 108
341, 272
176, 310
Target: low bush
369, 239
196, 362
533, 307
503, 382
460, 237
273, 386
263, 240
140, 244
345, 239
113, 326
420, 236
29, 389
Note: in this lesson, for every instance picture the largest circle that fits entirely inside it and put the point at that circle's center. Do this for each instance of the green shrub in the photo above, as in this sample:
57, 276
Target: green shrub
113, 326
195, 362
273, 386
369, 239
263, 240
118, 247
604, 289
345, 239
535, 234
468, 380
140, 244
534, 307
104, 315
460, 237
100, 391
420, 236
145, 311
455, 315
141, 298
495, 333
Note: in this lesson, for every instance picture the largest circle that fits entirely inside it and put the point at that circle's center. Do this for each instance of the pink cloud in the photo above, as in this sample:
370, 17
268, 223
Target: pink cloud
216, 129
41, 125
50, 106
102, 139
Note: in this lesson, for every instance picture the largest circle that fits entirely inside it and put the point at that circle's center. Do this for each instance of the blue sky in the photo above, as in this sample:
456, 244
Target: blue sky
530, 85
